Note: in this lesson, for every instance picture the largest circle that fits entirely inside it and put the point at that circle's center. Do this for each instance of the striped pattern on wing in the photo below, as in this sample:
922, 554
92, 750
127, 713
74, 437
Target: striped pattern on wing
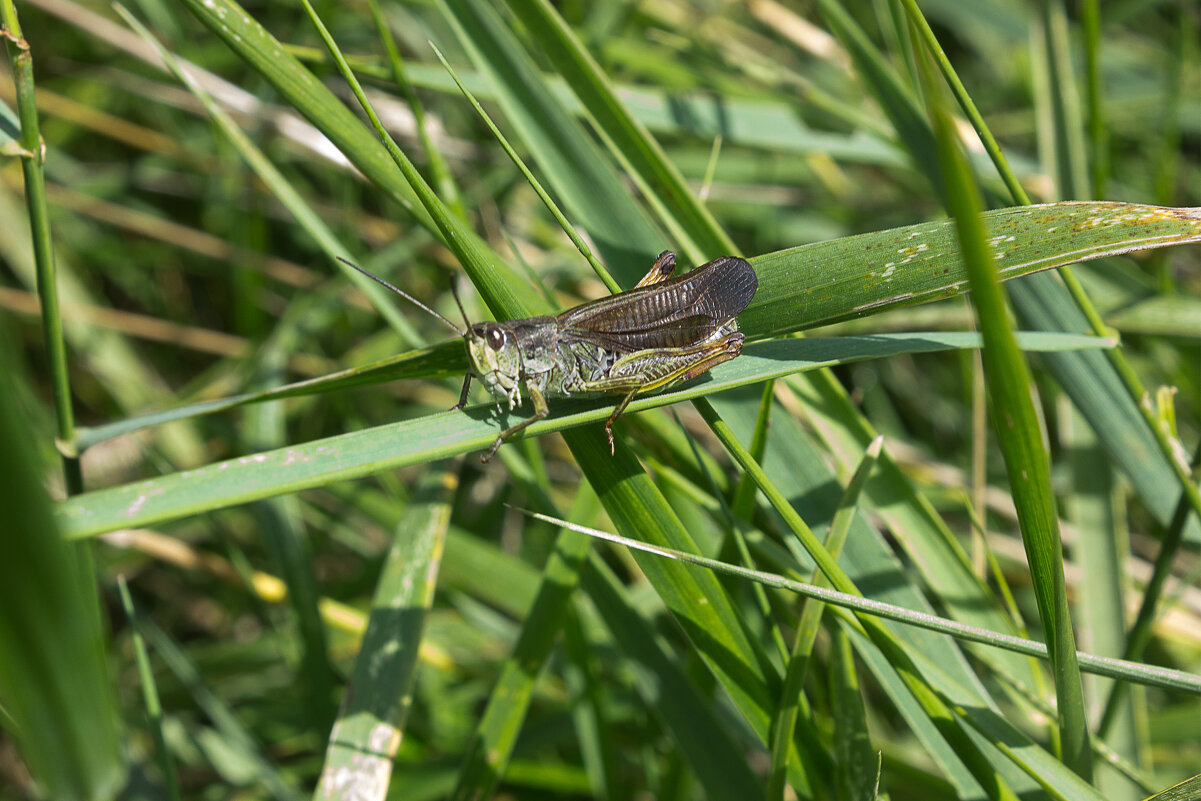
680, 311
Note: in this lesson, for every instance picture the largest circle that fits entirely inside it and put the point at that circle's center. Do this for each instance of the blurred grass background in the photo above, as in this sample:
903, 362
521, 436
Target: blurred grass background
184, 276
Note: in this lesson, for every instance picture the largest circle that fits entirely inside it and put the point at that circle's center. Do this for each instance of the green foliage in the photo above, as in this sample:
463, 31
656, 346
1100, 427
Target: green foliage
247, 407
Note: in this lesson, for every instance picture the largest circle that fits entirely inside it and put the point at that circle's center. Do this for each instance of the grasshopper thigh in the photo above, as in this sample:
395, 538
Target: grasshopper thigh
651, 370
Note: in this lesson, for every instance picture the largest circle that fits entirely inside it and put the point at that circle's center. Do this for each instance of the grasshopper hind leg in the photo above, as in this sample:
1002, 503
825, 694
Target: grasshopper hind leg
682, 365
661, 270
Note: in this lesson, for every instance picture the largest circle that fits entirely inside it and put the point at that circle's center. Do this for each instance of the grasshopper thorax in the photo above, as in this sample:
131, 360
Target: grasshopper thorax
496, 359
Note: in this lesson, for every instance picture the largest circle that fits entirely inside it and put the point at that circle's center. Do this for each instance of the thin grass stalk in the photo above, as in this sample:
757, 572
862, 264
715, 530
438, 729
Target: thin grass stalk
498, 294
662, 184
279, 784
735, 535
444, 180
1019, 430
33, 161
854, 601
1139, 636
1061, 87
856, 765
281, 188
991, 147
791, 697
534, 183
1098, 134
150, 698
1168, 166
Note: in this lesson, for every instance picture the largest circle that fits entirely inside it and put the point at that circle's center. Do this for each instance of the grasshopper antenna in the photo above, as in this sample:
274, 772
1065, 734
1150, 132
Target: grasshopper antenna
459, 303
461, 332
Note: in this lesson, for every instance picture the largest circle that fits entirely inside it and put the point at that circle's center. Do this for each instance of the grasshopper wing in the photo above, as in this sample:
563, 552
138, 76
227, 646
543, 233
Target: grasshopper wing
674, 313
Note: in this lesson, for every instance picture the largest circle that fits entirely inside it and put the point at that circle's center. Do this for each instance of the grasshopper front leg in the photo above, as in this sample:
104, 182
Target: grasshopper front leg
541, 410
648, 370
463, 393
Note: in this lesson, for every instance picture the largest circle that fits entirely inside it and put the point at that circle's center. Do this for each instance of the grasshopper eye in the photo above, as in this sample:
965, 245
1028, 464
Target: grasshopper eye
496, 338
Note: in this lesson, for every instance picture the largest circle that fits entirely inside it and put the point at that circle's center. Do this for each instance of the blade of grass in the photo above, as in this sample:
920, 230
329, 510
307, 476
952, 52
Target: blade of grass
505, 292
154, 708
932, 704
1020, 435
1096, 511
282, 529
567, 227
868, 273
444, 181
361, 453
364, 741
1139, 636
857, 774
1096, 388
790, 296
55, 686
380, 298
221, 715
808, 623
445, 359
490, 750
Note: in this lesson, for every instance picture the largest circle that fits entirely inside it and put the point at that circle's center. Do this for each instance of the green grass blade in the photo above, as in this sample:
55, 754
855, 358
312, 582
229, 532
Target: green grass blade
858, 764
1094, 508
809, 622
424, 439
933, 704
150, 697
534, 183
792, 297
666, 685
1020, 434
831, 281
282, 528
55, 687
1099, 665
365, 739
443, 179
1139, 635
1043, 303
442, 360
233, 733
308, 219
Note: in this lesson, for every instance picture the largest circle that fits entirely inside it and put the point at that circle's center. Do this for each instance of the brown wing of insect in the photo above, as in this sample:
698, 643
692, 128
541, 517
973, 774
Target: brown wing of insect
670, 313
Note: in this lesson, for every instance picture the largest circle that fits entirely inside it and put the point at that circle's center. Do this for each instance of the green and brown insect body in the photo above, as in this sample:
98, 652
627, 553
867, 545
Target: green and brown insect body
663, 331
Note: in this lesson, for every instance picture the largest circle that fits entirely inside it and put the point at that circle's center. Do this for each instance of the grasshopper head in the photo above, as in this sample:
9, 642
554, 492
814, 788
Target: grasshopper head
496, 359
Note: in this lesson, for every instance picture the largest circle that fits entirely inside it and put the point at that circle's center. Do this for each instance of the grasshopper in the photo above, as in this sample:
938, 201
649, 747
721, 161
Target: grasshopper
663, 331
